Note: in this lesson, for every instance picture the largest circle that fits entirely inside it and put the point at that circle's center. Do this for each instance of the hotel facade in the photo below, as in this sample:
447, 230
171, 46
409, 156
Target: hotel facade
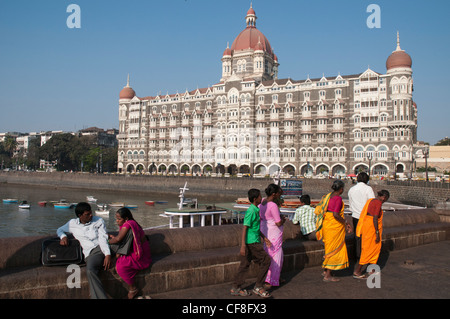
251, 122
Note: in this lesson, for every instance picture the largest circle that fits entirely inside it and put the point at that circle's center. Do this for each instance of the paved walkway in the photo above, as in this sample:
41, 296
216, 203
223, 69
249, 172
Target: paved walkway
421, 272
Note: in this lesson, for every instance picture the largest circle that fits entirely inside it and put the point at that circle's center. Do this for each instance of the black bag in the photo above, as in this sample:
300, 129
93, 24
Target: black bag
124, 247
53, 254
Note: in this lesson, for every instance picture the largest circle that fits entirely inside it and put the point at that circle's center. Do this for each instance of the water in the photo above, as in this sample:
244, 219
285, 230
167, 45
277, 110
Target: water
37, 220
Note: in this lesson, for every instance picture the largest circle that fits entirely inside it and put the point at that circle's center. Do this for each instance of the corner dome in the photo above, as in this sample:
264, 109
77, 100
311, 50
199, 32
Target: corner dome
399, 58
127, 92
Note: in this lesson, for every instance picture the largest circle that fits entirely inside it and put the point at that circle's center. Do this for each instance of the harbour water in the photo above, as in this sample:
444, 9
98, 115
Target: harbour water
37, 220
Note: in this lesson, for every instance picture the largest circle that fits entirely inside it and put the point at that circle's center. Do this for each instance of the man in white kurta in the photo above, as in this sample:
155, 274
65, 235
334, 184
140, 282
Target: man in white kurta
358, 195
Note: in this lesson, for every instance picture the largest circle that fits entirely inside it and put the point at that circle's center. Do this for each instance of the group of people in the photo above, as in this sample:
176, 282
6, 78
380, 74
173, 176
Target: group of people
261, 239
263, 232
130, 248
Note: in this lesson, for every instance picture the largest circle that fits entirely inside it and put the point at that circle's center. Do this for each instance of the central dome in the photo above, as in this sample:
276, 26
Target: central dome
249, 38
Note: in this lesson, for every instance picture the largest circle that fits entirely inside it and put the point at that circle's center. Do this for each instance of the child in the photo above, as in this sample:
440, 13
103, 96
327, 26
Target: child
252, 249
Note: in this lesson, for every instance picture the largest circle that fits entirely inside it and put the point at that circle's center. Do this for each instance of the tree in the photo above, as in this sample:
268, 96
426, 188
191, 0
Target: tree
10, 145
63, 149
443, 142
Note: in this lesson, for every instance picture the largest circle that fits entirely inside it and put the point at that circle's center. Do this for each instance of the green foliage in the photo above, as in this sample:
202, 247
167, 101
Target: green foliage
422, 169
68, 150
443, 142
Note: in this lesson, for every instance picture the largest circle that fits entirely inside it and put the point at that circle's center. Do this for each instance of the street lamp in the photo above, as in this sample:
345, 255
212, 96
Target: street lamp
395, 166
425, 153
369, 157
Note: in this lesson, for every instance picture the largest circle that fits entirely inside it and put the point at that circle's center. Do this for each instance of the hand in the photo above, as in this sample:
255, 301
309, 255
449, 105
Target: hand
242, 251
348, 227
377, 240
64, 241
107, 262
268, 243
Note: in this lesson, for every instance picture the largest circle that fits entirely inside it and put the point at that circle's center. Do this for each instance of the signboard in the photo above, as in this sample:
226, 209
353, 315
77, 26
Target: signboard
291, 187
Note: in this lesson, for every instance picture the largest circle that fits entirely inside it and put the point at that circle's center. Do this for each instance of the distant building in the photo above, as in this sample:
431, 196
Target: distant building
437, 157
106, 138
253, 122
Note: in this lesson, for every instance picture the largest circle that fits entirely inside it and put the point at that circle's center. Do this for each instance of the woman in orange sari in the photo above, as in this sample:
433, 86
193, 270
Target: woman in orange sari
331, 228
370, 229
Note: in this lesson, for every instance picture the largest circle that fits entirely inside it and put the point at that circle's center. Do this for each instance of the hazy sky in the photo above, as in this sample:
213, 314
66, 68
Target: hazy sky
53, 77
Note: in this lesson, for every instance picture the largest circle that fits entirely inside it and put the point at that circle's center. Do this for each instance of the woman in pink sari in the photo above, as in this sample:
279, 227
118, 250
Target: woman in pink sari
272, 227
139, 257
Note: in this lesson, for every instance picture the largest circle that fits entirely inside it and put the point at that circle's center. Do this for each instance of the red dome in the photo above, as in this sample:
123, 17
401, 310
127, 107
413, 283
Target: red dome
398, 59
127, 93
249, 39
227, 52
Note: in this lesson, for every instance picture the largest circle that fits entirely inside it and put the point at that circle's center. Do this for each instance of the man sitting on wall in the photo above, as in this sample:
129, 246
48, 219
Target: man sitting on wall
90, 231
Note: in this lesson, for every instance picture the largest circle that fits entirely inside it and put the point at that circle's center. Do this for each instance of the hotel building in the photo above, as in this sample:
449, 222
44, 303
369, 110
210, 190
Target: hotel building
251, 122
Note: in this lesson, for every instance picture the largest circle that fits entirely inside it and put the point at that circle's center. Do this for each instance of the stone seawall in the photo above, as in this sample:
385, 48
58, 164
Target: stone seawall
420, 194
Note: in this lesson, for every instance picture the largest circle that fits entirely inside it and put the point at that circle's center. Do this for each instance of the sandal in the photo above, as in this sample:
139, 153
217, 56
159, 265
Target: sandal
261, 292
362, 276
132, 293
240, 292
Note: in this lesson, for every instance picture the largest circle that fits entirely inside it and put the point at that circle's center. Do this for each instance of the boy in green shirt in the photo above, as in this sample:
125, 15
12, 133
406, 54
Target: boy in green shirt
252, 249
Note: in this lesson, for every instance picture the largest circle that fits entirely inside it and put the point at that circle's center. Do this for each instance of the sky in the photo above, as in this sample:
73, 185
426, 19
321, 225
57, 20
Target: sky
53, 77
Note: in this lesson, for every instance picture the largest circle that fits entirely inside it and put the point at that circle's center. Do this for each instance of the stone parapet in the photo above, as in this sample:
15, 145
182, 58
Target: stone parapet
193, 257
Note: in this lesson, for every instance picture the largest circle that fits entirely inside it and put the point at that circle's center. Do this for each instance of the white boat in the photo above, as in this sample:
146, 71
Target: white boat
24, 205
117, 204
91, 199
102, 209
10, 200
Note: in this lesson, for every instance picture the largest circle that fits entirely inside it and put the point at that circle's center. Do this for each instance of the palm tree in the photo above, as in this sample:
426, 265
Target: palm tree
10, 145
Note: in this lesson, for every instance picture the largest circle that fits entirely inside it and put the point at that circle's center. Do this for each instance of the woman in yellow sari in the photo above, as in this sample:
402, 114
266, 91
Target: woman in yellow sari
370, 229
331, 229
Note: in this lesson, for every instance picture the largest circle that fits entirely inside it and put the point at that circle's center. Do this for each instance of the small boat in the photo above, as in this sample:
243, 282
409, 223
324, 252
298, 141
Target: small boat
63, 204
131, 206
162, 202
102, 209
24, 205
91, 199
149, 203
42, 203
10, 200
117, 204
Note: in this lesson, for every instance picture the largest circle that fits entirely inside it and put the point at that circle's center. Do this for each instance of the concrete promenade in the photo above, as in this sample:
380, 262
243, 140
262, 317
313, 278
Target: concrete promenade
421, 272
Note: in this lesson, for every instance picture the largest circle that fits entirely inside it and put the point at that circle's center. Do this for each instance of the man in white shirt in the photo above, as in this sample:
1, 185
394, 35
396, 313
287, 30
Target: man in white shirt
358, 195
90, 231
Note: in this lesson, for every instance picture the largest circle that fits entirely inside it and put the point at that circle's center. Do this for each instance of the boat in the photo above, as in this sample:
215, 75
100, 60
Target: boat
149, 203
117, 204
24, 205
131, 206
102, 209
63, 204
91, 199
10, 200
42, 203
162, 202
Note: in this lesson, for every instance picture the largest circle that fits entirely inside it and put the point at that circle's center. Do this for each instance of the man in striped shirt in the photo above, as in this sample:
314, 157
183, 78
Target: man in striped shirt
306, 217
